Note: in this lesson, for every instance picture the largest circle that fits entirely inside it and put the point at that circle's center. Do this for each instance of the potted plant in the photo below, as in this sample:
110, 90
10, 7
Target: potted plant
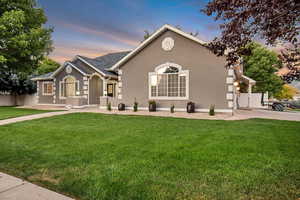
152, 106
121, 107
135, 106
172, 109
108, 105
190, 107
212, 110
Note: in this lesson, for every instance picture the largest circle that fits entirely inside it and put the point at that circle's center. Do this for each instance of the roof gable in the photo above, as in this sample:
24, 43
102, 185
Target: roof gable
66, 64
152, 38
102, 64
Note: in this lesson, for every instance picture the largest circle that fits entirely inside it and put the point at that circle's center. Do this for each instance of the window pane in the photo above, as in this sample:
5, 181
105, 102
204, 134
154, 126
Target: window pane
182, 86
49, 88
70, 89
153, 91
162, 85
173, 85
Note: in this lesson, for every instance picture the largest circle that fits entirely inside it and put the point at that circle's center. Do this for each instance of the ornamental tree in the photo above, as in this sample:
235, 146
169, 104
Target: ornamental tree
242, 21
24, 41
261, 64
287, 93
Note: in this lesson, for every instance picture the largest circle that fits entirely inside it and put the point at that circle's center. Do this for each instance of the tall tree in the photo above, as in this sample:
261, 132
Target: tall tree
261, 64
244, 20
24, 42
47, 65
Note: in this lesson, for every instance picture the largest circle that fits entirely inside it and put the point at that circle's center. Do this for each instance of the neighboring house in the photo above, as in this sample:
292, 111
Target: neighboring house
170, 67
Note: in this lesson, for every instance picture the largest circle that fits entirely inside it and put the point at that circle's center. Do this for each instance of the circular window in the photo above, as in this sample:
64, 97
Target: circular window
69, 69
168, 44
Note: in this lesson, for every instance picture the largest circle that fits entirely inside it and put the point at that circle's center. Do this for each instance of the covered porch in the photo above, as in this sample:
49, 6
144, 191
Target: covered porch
94, 91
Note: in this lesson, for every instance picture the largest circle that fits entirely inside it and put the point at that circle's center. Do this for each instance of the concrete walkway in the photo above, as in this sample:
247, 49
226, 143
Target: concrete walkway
36, 116
12, 188
238, 114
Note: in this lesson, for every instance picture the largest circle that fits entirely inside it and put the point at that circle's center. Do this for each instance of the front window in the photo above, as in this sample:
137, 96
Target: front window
168, 82
47, 88
111, 89
69, 87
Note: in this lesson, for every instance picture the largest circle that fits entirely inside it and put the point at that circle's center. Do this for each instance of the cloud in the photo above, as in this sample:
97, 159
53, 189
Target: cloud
64, 52
115, 35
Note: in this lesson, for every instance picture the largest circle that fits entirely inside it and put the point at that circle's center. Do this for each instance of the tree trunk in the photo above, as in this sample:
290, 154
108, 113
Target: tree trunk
262, 98
15, 99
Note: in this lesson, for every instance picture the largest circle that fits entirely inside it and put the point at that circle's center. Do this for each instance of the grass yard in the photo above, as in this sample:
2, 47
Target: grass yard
7, 112
95, 156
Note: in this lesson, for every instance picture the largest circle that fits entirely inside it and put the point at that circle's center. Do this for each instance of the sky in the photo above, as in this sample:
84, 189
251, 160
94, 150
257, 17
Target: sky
96, 27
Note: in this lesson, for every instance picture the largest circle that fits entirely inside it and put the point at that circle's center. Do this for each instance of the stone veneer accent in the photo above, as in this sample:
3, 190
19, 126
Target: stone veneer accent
85, 87
229, 82
120, 84
37, 90
54, 91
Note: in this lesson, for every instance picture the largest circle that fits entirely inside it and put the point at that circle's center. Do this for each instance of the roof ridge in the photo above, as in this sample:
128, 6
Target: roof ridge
113, 53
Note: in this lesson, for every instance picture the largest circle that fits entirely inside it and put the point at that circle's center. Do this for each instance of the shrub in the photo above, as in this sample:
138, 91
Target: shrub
190, 107
172, 108
135, 106
108, 106
212, 110
152, 106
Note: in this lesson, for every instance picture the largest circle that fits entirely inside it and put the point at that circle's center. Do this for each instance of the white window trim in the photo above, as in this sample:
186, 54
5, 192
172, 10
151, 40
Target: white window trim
186, 72
43, 88
60, 86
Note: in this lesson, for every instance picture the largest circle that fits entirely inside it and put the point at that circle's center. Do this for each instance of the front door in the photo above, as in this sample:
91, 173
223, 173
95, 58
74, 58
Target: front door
95, 90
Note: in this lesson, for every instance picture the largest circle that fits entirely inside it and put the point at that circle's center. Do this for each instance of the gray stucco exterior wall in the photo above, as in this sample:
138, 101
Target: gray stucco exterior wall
207, 74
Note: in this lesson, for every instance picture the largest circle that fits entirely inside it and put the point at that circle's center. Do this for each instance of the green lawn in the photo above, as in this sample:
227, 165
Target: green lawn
11, 112
96, 156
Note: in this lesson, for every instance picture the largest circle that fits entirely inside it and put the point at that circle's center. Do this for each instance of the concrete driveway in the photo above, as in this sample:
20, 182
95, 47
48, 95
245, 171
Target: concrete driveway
266, 114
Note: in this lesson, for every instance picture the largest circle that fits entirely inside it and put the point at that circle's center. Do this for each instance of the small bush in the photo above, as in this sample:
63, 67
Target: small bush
108, 106
172, 109
135, 106
212, 110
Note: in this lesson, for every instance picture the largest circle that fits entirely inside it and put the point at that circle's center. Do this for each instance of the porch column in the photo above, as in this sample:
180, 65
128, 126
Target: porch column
105, 87
85, 87
249, 95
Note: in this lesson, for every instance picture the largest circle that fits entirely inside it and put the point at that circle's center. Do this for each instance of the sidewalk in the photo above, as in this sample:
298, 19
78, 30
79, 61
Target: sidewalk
36, 116
12, 188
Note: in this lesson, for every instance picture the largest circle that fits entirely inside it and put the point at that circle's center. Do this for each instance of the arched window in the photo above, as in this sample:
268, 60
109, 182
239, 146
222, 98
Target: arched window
168, 81
69, 87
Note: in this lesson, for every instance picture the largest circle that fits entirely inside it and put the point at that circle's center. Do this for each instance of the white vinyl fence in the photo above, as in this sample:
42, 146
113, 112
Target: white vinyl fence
22, 100
255, 100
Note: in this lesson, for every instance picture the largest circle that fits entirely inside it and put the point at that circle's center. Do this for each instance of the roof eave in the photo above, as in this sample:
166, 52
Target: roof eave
41, 79
95, 68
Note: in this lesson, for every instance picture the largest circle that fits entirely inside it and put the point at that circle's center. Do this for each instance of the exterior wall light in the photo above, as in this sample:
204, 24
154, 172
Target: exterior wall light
236, 83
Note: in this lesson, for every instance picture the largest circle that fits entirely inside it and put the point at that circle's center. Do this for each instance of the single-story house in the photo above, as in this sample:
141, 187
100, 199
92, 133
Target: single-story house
171, 67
